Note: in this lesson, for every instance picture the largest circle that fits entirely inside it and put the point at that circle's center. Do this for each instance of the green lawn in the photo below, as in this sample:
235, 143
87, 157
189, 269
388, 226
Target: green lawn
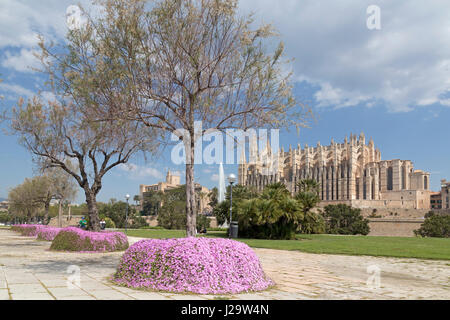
422, 248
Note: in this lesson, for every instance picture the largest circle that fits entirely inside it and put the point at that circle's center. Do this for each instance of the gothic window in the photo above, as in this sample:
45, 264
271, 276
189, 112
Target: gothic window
364, 191
358, 196
390, 179
425, 183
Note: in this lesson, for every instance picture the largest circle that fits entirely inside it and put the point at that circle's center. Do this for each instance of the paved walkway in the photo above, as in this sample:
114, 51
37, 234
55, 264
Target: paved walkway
28, 270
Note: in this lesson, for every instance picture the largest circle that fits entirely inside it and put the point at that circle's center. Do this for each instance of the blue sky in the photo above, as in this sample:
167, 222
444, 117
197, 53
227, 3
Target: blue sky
393, 83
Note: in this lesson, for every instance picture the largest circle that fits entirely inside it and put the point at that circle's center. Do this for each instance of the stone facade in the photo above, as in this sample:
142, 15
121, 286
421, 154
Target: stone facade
351, 172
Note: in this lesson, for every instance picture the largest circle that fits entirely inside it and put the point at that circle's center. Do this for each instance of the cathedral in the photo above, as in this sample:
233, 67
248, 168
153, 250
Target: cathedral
351, 172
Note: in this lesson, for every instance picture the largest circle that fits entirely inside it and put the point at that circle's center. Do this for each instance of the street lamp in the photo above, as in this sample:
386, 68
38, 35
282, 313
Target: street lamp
126, 214
231, 180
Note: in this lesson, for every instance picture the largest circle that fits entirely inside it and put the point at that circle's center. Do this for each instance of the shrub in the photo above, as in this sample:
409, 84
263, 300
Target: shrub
110, 223
435, 226
312, 223
343, 219
28, 230
48, 233
194, 265
273, 215
75, 239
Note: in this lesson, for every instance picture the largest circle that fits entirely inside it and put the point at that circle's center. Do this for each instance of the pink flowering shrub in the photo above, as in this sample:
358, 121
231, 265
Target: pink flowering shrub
195, 265
48, 233
29, 230
75, 239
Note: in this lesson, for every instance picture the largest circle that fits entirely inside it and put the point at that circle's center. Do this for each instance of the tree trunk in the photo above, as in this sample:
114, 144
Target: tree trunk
94, 220
46, 215
191, 212
60, 214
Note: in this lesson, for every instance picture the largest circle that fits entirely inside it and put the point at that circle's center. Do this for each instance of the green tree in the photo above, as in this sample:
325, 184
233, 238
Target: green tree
116, 211
174, 63
136, 199
435, 226
308, 197
26, 201
343, 219
173, 211
5, 217
152, 203
222, 210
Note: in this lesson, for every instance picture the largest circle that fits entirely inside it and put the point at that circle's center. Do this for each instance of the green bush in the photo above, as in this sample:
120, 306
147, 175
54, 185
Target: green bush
312, 223
138, 222
435, 226
109, 223
273, 215
222, 210
345, 220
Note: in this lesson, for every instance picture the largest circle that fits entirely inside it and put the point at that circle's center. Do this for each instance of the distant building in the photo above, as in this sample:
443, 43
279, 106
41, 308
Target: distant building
4, 205
445, 194
173, 182
436, 200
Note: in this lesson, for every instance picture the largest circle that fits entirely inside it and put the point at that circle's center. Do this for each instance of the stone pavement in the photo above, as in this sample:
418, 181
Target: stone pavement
28, 270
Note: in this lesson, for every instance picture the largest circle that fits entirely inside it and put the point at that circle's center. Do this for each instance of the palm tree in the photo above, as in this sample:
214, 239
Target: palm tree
137, 199
308, 197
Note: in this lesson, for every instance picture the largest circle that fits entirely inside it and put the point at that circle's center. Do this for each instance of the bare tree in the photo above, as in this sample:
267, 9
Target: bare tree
58, 132
177, 62
62, 187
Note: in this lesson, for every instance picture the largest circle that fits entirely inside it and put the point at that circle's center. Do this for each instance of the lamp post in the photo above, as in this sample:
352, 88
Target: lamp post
126, 213
231, 180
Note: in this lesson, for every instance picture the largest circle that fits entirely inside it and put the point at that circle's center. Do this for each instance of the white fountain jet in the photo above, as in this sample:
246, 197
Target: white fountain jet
221, 195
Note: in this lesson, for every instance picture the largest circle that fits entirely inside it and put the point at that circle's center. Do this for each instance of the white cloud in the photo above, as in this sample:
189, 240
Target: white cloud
22, 20
13, 91
215, 177
405, 64
139, 172
24, 61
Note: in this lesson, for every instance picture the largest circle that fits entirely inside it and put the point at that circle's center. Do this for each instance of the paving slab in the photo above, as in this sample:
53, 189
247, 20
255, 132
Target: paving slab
31, 296
25, 287
64, 292
4, 295
110, 295
148, 296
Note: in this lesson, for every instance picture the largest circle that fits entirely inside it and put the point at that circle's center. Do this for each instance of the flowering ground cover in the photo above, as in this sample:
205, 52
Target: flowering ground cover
29, 230
48, 233
75, 239
192, 265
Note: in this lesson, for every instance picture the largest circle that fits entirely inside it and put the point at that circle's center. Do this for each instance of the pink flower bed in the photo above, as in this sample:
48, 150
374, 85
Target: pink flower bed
29, 230
75, 239
195, 265
48, 233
